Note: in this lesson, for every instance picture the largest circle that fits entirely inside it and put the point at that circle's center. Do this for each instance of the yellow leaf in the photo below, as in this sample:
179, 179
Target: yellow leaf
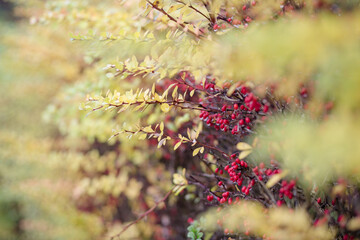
153, 89
175, 7
196, 151
134, 62
276, 178
174, 93
338, 190
244, 154
168, 34
192, 92
162, 142
165, 107
143, 136
202, 149
159, 98
177, 145
354, 224
162, 127
139, 106
199, 129
255, 142
180, 181
231, 90
142, 4
159, 3
148, 129
243, 146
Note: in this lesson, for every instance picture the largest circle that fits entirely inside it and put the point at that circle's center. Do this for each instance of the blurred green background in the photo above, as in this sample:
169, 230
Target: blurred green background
34, 195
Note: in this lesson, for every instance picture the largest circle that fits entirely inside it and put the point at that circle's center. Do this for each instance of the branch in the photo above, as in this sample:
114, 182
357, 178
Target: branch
196, 10
142, 215
173, 19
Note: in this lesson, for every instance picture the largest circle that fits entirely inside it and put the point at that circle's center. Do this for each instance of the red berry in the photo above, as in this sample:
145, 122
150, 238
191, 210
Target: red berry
233, 116
303, 91
236, 22
319, 200
221, 172
210, 198
291, 184
243, 90
290, 195
262, 165
223, 108
236, 107
252, 183
220, 183
244, 8
241, 122
247, 120
269, 172
235, 129
266, 109
216, 170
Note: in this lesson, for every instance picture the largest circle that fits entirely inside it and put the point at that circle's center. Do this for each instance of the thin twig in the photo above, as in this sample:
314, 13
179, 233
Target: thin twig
143, 215
173, 19
196, 10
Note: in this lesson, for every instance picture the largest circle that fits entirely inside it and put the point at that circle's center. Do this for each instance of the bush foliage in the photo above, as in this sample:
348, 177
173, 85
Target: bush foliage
240, 114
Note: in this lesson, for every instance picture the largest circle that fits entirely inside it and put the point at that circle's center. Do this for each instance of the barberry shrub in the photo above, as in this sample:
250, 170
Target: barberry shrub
251, 106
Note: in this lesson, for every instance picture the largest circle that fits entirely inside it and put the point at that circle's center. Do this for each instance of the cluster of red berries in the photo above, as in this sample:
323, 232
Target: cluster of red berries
235, 172
239, 118
286, 190
263, 172
235, 22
